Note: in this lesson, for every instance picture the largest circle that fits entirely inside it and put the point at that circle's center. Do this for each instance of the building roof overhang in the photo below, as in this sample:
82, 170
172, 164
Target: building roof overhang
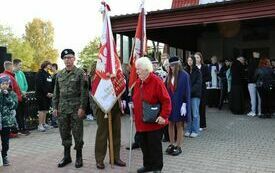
227, 11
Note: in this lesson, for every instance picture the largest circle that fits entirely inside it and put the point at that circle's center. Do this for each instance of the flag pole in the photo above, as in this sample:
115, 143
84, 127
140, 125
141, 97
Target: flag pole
111, 145
131, 135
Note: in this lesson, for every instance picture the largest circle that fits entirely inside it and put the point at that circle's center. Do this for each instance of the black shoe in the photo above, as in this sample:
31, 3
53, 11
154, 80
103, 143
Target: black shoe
158, 171
263, 116
67, 157
55, 126
268, 116
120, 163
79, 160
25, 132
176, 151
143, 169
134, 146
165, 140
170, 149
6, 161
100, 165
64, 162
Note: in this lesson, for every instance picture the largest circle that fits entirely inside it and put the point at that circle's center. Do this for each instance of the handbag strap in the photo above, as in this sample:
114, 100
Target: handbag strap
141, 93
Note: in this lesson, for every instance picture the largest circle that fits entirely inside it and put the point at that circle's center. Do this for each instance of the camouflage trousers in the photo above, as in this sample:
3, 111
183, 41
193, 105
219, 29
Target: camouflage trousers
71, 124
102, 134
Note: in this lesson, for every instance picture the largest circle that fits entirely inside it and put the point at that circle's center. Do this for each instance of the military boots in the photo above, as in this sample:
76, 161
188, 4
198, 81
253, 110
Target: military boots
78, 161
67, 157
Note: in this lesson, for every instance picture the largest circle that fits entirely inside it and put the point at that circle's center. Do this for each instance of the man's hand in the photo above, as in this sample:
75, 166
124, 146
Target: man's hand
160, 120
55, 112
81, 113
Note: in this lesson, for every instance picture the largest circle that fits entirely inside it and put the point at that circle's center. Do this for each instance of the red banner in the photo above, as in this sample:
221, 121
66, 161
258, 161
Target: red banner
139, 47
109, 82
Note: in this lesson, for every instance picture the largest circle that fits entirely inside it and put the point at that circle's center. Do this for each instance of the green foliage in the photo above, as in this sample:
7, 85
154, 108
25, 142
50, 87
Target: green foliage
40, 36
21, 49
5, 35
88, 56
18, 47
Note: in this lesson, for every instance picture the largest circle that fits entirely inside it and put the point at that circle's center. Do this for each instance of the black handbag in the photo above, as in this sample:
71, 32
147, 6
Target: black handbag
150, 111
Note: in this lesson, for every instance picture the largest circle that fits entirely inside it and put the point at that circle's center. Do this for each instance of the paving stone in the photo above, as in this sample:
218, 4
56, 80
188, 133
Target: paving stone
230, 144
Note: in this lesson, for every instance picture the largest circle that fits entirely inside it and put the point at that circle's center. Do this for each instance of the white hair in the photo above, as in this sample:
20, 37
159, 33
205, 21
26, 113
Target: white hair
145, 63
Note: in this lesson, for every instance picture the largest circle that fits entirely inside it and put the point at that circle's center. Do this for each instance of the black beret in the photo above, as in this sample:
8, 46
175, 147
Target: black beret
173, 60
67, 52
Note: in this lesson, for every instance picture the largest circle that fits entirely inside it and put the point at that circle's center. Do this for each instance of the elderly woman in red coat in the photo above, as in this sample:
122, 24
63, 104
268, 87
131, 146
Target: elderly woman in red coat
151, 89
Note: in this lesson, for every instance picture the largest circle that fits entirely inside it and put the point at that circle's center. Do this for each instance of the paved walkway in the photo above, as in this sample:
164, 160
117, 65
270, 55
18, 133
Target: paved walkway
231, 143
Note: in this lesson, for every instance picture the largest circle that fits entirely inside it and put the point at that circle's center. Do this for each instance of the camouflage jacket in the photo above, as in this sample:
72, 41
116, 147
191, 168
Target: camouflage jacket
8, 105
70, 91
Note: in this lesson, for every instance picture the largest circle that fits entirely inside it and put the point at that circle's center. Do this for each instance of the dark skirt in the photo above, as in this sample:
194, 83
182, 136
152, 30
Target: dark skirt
202, 109
44, 103
237, 101
213, 97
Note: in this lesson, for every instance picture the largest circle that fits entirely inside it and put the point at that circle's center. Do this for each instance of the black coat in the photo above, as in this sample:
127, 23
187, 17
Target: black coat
222, 75
238, 73
196, 82
43, 84
264, 77
252, 66
206, 77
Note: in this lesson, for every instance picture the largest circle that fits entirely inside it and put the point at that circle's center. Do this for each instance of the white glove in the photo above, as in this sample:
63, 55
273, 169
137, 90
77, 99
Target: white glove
131, 105
122, 105
183, 109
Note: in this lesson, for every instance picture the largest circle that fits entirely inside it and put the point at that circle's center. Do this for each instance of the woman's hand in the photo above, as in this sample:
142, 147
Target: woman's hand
160, 120
55, 112
49, 95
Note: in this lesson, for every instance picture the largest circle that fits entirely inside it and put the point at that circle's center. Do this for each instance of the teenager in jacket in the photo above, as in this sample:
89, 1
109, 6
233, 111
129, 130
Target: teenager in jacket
196, 88
206, 77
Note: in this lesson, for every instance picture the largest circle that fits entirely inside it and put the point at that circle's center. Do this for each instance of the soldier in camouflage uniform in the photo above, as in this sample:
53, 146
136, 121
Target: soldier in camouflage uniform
69, 103
8, 105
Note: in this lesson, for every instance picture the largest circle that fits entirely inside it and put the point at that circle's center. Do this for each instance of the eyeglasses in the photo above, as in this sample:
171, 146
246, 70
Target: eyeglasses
67, 57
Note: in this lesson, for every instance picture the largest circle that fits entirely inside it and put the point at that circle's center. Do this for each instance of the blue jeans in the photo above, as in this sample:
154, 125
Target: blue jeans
255, 99
194, 124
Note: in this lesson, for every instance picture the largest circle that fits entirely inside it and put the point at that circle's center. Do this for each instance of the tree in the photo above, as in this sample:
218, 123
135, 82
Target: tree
88, 56
40, 35
22, 50
5, 35
18, 47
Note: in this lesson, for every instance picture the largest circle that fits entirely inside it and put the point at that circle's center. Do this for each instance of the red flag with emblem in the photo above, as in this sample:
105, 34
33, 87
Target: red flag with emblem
109, 82
139, 48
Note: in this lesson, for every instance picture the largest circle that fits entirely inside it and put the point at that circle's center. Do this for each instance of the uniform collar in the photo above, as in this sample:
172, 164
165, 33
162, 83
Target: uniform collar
72, 71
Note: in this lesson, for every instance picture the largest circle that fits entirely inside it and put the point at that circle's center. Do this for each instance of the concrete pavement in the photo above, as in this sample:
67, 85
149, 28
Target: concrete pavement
231, 144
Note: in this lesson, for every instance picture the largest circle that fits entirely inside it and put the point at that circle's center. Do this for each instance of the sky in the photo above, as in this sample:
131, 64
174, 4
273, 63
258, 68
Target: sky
76, 22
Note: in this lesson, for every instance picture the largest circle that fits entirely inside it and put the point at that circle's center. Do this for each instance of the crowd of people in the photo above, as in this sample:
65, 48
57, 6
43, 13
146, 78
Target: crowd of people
183, 91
